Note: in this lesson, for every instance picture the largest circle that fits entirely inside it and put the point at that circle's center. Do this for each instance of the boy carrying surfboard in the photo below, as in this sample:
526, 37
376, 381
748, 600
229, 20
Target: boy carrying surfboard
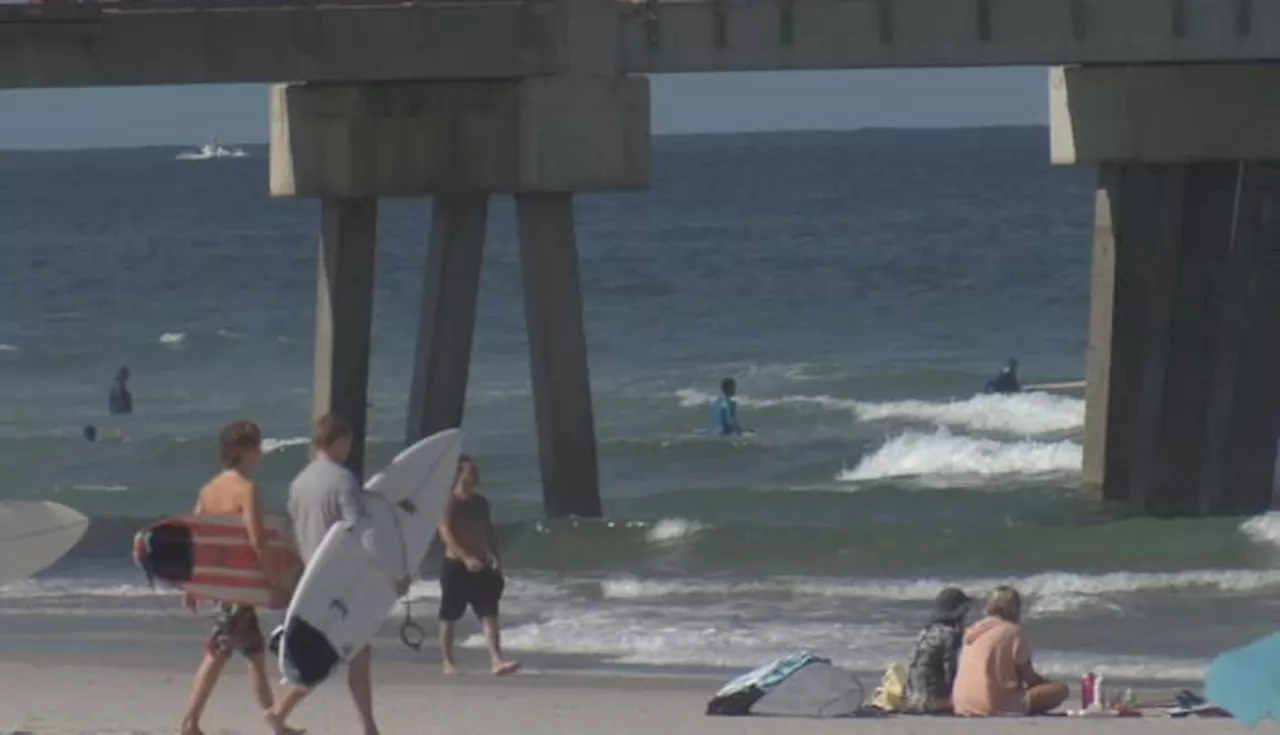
323, 494
232, 492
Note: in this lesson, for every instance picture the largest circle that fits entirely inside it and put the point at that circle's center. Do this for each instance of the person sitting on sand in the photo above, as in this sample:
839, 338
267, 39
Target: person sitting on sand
995, 676
471, 573
933, 667
232, 492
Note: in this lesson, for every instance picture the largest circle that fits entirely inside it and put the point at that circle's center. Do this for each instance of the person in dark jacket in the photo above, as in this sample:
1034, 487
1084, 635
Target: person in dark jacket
937, 654
119, 399
1006, 381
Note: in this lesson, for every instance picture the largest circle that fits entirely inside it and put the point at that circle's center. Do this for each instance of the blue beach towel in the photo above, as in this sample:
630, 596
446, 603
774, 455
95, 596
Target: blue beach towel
1245, 681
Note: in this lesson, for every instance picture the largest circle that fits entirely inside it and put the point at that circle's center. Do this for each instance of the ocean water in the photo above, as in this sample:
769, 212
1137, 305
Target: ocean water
859, 286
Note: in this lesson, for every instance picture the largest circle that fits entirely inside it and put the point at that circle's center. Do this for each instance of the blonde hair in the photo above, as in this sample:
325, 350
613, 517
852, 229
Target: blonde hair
1005, 603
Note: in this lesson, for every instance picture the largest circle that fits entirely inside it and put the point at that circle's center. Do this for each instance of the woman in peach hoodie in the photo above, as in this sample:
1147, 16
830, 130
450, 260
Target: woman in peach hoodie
995, 676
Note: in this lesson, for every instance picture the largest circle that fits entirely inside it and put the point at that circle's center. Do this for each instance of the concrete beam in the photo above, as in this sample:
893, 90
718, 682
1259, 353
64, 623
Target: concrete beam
344, 315
51, 46
224, 41
1165, 114
739, 35
558, 356
578, 134
1186, 412
442, 359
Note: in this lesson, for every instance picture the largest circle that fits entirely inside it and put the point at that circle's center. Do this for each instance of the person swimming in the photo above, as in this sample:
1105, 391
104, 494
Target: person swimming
1006, 381
724, 412
119, 399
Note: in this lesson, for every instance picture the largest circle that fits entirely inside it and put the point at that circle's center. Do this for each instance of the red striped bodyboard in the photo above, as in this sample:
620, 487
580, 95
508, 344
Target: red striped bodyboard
210, 558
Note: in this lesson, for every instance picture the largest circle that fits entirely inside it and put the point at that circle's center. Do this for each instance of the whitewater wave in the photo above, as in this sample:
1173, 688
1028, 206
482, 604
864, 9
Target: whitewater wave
270, 445
947, 459
1024, 414
1048, 593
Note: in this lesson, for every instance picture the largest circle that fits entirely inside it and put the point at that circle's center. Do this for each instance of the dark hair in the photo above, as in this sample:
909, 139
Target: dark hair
727, 385
328, 429
237, 439
465, 463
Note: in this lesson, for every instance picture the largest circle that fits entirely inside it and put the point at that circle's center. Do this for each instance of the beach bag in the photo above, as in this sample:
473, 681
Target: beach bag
891, 695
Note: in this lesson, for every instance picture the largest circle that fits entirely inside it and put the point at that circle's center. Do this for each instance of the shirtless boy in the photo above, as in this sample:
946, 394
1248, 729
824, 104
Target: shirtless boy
471, 573
232, 492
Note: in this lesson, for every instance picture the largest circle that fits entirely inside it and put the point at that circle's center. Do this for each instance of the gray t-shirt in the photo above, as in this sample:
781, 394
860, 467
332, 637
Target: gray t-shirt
323, 494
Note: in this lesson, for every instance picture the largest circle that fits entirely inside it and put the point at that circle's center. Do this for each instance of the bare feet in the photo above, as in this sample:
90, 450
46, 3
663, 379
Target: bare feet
277, 725
189, 728
502, 668
451, 668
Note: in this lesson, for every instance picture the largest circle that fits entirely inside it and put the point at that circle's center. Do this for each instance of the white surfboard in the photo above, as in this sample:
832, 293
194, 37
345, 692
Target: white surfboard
34, 534
348, 587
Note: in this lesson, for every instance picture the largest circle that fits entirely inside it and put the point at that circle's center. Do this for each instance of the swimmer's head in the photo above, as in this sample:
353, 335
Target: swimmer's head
90, 432
728, 386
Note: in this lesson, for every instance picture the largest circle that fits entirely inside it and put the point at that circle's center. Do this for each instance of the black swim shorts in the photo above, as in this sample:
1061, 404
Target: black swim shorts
460, 588
235, 629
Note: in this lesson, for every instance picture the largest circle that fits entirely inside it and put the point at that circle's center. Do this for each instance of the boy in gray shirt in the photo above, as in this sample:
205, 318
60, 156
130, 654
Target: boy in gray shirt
325, 493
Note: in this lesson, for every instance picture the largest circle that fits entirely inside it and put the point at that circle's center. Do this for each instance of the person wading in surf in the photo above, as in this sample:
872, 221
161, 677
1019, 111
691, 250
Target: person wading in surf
325, 493
232, 492
471, 573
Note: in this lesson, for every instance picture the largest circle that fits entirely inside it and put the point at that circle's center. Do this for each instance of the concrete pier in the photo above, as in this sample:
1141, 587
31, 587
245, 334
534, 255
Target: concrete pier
1183, 403
542, 139
344, 314
442, 358
558, 355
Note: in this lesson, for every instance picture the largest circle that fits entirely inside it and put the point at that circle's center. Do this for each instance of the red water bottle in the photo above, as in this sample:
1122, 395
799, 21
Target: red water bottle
1087, 694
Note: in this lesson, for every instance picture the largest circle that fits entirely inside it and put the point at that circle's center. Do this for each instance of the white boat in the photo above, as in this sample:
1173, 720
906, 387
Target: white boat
211, 150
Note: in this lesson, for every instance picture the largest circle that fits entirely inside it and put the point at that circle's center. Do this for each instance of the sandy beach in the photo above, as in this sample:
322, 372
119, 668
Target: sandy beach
143, 692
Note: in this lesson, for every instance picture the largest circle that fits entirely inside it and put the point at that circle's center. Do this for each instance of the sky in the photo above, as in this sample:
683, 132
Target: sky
688, 103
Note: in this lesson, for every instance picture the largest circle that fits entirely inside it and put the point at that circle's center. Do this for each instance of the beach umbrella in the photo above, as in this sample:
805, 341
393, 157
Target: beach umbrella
1245, 681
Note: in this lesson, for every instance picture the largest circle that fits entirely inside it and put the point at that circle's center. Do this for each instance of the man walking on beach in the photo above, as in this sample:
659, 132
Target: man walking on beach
231, 492
471, 573
325, 493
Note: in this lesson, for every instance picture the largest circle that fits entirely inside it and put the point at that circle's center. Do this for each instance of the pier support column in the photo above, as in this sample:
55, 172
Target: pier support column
558, 355
1183, 397
442, 359
344, 315
543, 139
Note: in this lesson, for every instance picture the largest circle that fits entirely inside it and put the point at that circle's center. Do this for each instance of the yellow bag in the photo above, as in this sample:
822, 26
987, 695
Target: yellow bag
891, 695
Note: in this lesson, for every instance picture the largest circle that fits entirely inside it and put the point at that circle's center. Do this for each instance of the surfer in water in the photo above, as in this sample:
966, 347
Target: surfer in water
471, 573
232, 492
1006, 381
325, 493
119, 399
724, 412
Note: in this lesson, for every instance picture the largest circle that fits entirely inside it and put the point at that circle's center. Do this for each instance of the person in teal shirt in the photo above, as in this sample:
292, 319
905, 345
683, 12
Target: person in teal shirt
724, 412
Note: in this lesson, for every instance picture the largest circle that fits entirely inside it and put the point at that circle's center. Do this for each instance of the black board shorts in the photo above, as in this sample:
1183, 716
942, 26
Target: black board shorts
460, 588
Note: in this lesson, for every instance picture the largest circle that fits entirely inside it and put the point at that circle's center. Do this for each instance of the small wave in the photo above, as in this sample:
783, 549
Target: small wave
1024, 414
1048, 593
672, 530
270, 445
942, 454
691, 397
711, 637
173, 338
8, 348
1263, 529
101, 488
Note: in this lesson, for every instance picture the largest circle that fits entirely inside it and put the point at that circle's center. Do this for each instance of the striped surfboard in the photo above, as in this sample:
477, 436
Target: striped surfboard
209, 557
